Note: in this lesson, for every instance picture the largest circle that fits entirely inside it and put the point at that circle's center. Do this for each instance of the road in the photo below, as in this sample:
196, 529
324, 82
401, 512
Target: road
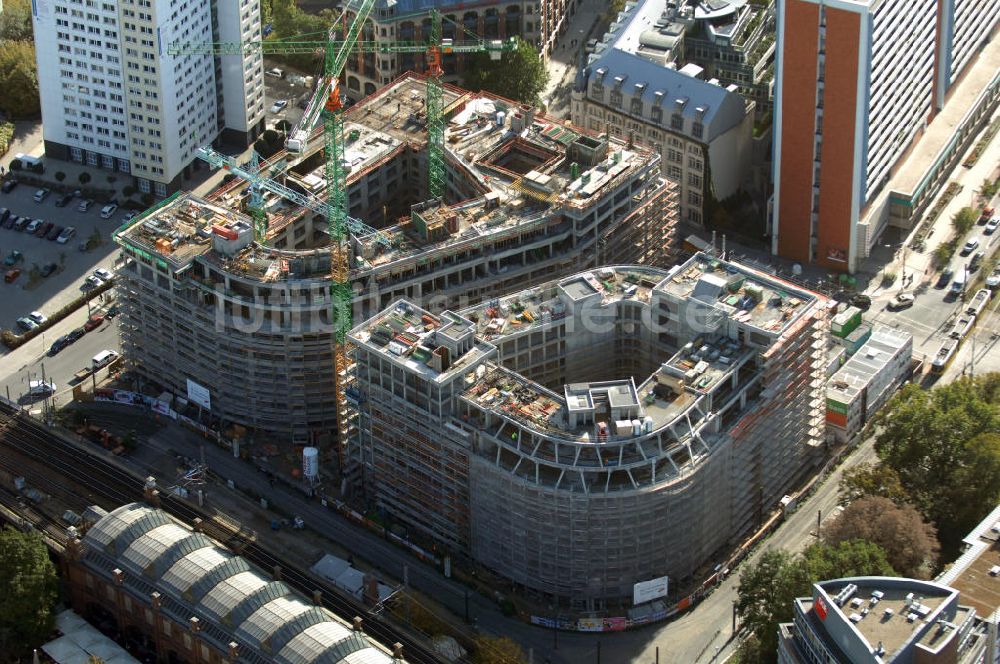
24, 364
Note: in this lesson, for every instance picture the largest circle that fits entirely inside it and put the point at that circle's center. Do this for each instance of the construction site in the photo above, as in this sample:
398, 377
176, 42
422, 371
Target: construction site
595, 431
244, 309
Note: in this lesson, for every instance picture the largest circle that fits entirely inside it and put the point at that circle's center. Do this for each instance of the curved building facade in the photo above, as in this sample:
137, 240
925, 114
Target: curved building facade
249, 319
597, 431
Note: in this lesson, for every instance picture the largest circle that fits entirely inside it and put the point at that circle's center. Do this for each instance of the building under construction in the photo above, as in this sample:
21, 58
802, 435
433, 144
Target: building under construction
595, 431
249, 321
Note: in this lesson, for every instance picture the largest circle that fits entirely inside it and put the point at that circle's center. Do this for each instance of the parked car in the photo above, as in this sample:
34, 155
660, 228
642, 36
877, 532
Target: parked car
13, 257
992, 225
38, 317
945, 278
275, 73
63, 200
66, 235
104, 274
861, 301
9, 221
901, 301
26, 323
112, 311
41, 195
129, 216
44, 229
970, 246
977, 261
12, 275
4, 214
54, 232
40, 388
109, 210
92, 282
93, 322
279, 105
993, 280
59, 344
76, 334
48, 269
32, 227
85, 205
8, 186
21, 223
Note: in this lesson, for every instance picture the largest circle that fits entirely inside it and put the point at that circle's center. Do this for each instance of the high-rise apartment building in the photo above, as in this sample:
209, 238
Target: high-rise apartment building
113, 98
857, 83
611, 427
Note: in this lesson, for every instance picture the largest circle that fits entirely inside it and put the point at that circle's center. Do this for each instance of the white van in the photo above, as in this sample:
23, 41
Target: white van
104, 358
27, 161
39, 388
958, 282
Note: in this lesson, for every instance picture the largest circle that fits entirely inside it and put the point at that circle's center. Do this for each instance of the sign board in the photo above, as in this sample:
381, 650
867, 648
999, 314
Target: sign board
647, 591
198, 394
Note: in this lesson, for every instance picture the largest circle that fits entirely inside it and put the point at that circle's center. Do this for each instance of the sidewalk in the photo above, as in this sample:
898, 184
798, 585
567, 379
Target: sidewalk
567, 56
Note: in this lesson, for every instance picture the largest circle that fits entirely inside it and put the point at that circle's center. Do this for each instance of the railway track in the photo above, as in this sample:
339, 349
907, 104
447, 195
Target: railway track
111, 485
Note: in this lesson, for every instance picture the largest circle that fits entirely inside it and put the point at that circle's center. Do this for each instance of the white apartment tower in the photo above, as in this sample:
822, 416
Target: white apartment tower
113, 98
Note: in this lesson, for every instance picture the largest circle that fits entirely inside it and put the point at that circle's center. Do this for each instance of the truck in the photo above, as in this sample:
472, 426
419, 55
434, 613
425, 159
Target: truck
81, 375
297, 141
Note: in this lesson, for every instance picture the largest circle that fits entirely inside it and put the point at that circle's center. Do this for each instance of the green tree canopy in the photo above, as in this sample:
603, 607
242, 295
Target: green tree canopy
964, 220
18, 78
934, 441
15, 21
28, 586
769, 587
909, 542
519, 75
873, 480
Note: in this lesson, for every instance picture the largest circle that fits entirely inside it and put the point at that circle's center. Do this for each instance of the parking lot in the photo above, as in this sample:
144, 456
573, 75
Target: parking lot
291, 88
72, 266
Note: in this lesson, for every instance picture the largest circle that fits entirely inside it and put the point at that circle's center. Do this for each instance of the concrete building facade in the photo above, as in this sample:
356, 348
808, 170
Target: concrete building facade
195, 601
857, 84
545, 433
202, 300
875, 620
112, 98
866, 381
632, 88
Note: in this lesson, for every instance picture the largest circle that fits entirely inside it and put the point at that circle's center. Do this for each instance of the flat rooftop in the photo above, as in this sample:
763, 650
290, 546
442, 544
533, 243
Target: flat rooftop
539, 306
976, 573
902, 610
742, 294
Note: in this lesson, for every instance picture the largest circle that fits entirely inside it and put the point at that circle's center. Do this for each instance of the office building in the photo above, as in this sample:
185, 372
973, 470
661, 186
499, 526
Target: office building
859, 85
113, 98
866, 381
636, 88
595, 431
250, 322
976, 574
195, 601
882, 620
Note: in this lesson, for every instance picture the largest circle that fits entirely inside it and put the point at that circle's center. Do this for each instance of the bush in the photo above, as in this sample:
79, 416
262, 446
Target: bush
15, 164
6, 136
60, 176
128, 190
888, 278
147, 199
84, 177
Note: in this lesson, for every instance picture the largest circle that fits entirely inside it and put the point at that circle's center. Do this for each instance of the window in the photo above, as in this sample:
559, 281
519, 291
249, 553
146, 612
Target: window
677, 122
616, 98
694, 180
656, 114
91, 157
697, 129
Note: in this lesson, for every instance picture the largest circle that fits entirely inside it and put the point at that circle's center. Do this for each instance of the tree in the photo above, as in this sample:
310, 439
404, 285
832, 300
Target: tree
18, 79
60, 176
498, 650
84, 177
15, 21
519, 75
765, 595
873, 480
29, 587
128, 190
964, 220
933, 441
909, 542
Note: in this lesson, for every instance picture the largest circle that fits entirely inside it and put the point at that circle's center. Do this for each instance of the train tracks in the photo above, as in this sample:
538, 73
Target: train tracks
46, 456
